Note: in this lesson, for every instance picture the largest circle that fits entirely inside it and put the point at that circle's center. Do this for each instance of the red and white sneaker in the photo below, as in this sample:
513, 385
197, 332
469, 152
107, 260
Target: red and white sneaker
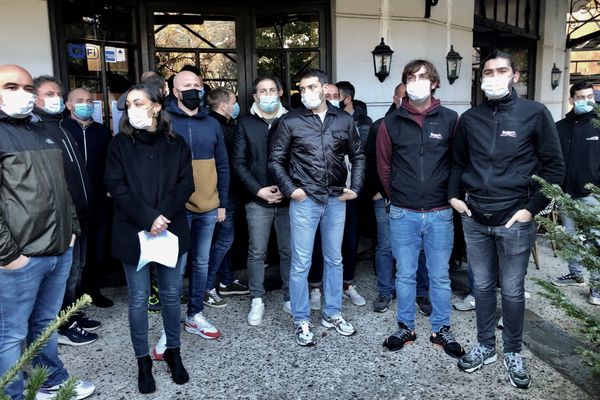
200, 326
159, 350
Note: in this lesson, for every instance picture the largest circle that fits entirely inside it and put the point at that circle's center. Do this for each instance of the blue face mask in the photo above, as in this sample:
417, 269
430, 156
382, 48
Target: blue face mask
583, 106
83, 111
236, 111
268, 104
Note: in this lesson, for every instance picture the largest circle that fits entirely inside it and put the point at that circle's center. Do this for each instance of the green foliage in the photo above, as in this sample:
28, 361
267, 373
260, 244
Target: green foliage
585, 245
38, 375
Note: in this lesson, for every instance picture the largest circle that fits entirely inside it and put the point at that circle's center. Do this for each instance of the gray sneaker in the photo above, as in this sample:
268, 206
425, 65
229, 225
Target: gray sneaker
517, 373
338, 322
465, 304
569, 279
304, 334
477, 357
594, 297
381, 303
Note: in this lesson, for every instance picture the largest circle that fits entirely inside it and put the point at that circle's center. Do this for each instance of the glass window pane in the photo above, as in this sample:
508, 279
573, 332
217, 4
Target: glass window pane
300, 62
98, 20
270, 64
287, 31
169, 63
193, 31
218, 65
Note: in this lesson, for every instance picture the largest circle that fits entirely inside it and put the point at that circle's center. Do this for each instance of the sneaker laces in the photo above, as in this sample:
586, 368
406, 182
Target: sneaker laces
446, 335
595, 292
478, 351
515, 363
403, 333
215, 296
304, 328
80, 330
568, 276
382, 299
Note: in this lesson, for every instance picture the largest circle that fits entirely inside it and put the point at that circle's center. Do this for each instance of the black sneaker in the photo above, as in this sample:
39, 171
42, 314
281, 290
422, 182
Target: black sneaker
397, 341
381, 303
424, 305
75, 336
85, 323
446, 341
236, 288
569, 279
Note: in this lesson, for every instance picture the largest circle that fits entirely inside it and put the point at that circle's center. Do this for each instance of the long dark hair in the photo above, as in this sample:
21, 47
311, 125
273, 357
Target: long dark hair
163, 122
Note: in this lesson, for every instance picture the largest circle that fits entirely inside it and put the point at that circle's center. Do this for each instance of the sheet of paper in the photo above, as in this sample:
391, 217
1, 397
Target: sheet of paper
162, 249
97, 115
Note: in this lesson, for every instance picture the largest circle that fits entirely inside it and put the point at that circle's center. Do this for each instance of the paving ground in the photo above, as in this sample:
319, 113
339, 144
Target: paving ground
265, 362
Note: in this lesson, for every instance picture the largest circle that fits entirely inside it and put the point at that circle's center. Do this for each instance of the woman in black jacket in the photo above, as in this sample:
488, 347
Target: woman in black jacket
149, 176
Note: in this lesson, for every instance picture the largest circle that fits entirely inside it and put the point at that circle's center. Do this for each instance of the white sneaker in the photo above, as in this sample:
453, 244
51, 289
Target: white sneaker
315, 298
200, 326
465, 304
83, 390
354, 296
257, 310
338, 322
287, 307
159, 350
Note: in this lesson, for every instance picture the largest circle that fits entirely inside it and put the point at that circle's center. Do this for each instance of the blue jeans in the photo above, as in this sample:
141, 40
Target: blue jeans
202, 226
496, 252
260, 220
434, 232
169, 292
575, 266
222, 241
30, 298
305, 217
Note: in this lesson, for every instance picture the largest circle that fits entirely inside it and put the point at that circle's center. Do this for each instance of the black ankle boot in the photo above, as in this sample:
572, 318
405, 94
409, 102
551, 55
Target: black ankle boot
178, 372
146, 382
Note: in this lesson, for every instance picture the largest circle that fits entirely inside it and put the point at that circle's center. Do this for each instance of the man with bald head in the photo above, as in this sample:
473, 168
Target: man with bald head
92, 139
37, 231
206, 206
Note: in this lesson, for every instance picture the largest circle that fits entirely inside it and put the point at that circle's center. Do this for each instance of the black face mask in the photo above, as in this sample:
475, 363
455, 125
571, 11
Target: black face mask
191, 99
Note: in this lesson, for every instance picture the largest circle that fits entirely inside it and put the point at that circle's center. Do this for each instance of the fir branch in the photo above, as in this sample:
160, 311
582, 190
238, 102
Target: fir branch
34, 348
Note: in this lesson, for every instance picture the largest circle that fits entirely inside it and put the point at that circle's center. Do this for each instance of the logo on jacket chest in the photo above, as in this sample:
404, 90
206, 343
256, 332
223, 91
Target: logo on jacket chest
593, 138
511, 134
436, 136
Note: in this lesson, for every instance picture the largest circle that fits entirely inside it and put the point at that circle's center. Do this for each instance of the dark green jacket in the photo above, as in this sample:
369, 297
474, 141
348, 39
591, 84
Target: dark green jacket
37, 216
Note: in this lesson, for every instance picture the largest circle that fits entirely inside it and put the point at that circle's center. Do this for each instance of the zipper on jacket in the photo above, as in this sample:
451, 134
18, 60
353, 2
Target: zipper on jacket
323, 150
85, 153
492, 148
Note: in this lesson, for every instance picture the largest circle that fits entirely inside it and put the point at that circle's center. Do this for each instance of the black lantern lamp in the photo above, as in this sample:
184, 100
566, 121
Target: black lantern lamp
555, 76
382, 60
453, 61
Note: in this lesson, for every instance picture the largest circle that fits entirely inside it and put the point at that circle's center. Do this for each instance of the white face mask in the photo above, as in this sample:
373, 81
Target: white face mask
17, 103
139, 119
54, 105
419, 91
312, 100
496, 87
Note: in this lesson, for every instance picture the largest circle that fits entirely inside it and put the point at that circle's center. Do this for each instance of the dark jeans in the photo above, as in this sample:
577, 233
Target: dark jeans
96, 246
496, 252
73, 288
218, 261
169, 292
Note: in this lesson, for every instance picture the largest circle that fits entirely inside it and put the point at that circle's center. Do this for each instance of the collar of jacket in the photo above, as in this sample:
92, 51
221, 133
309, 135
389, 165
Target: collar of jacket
588, 116
172, 107
45, 116
4, 117
254, 110
223, 120
331, 110
406, 109
503, 103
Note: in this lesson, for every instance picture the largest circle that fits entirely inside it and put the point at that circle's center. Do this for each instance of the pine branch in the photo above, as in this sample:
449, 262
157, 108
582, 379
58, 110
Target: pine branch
34, 348
37, 377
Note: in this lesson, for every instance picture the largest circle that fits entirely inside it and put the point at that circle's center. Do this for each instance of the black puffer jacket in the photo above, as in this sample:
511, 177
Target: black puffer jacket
315, 152
37, 216
500, 145
580, 142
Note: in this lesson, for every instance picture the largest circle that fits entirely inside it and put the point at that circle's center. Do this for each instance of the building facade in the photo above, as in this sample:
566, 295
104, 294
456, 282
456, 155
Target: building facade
106, 45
